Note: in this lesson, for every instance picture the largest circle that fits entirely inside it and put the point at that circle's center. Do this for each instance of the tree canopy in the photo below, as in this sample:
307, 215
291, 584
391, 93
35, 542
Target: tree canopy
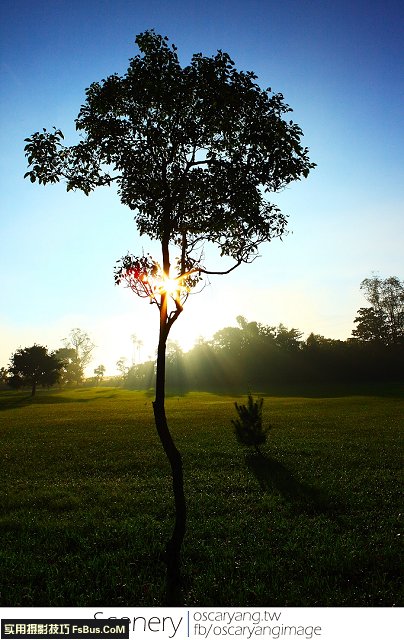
32, 366
383, 322
75, 356
194, 150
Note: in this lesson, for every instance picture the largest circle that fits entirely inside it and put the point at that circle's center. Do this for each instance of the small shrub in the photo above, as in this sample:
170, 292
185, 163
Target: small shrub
248, 427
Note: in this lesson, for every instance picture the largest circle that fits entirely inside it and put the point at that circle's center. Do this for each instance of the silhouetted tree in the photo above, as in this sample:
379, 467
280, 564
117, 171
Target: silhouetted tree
288, 339
370, 326
194, 151
99, 373
32, 366
4, 375
384, 321
248, 426
71, 371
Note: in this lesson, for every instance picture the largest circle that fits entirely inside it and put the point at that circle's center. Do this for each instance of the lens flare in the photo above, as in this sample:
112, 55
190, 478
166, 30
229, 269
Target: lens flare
171, 286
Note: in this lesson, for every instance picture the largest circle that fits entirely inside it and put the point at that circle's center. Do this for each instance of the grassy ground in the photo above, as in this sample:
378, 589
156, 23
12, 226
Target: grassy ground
85, 501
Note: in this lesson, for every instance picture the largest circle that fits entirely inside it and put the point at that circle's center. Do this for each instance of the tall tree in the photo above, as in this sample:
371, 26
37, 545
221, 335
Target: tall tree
80, 347
384, 320
195, 151
32, 366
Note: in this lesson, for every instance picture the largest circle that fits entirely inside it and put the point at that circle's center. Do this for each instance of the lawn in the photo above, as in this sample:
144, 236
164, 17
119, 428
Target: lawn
85, 500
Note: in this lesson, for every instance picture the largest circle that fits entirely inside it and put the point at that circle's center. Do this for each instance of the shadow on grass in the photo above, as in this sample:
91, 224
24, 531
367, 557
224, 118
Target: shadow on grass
339, 390
296, 390
9, 401
303, 498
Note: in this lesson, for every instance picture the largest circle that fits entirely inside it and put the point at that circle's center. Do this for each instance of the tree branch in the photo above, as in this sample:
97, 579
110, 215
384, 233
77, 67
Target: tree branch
210, 273
222, 273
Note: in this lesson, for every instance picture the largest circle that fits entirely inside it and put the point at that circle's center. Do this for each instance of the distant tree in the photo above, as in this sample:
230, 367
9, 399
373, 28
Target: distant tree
370, 326
206, 368
137, 344
254, 352
315, 340
384, 321
122, 366
141, 376
176, 375
80, 348
71, 371
33, 366
230, 339
99, 373
174, 353
245, 336
4, 375
288, 339
194, 151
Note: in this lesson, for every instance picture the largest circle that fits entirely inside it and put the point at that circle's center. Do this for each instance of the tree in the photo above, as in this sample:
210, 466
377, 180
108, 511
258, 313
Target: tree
32, 366
244, 337
80, 349
288, 339
141, 376
99, 373
137, 344
176, 373
195, 151
370, 326
384, 320
248, 427
122, 366
71, 371
3, 376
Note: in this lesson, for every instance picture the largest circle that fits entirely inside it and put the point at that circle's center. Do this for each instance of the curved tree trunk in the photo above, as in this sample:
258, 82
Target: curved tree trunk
174, 544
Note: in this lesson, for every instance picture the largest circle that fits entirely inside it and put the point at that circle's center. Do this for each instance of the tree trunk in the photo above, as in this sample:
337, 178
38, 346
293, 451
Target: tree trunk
33, 390
173, 547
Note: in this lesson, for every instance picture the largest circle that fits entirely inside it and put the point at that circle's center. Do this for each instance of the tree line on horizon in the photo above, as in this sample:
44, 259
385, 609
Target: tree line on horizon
35, 365
250, 355
254, 356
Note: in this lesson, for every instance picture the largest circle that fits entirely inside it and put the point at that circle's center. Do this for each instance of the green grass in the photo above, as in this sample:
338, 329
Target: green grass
86, 506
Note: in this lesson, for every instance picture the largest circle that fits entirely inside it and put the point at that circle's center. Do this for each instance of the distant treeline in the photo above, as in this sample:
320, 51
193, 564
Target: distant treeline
254, 356
250, 356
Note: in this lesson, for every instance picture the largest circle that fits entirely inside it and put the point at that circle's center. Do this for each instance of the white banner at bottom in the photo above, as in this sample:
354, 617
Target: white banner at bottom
201, 623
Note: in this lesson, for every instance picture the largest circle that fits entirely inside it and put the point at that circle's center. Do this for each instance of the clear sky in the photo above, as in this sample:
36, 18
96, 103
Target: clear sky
339, 66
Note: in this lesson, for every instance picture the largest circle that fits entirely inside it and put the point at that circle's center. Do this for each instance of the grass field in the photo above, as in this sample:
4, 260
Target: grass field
85, 501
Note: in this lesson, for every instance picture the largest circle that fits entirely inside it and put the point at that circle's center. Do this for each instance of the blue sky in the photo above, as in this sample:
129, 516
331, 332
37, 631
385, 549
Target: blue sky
340, 67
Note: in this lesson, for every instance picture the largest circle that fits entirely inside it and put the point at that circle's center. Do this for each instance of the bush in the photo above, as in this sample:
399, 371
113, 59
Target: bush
248, 427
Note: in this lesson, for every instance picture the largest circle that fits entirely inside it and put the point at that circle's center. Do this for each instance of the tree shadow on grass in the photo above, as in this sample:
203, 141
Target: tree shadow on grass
21, 401
303, 498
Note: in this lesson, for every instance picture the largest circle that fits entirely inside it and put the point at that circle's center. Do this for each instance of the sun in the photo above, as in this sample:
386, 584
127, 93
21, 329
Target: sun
171, 286
147, 279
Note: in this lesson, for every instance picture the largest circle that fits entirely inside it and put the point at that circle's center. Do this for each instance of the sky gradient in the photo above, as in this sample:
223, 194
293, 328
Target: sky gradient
339, 66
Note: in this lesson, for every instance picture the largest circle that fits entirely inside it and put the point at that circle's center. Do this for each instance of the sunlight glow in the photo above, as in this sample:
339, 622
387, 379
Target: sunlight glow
171, 286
